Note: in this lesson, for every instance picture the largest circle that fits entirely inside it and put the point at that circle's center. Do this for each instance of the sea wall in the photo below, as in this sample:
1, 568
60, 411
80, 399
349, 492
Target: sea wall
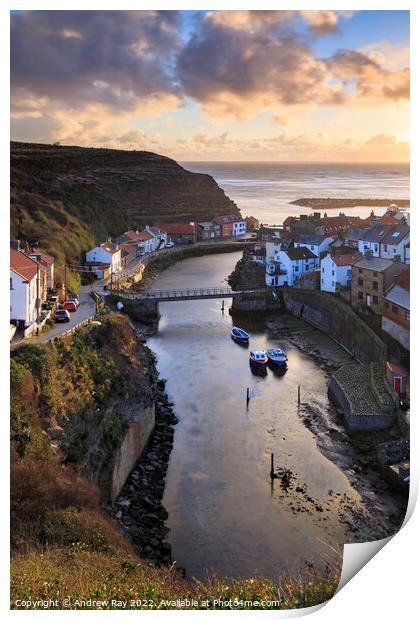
338, 320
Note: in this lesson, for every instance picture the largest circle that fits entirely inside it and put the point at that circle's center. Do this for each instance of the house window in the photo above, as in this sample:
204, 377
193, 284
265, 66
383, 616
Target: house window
375, 299
349, 273
376, 247
385, 248
360, 281
333, 272
322, 280
323, 270
360, 295
407, 315
296, 267
360, 270
375, 274
395, 310
11, 283
375, 286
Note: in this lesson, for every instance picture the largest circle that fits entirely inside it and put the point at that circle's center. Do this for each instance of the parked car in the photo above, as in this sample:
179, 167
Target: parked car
169, 244
61, 316
74, 297
47, 305
69, 305
52, 298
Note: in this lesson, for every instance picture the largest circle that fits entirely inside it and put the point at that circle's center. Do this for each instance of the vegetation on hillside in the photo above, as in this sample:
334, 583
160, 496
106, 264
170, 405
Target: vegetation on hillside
68, 198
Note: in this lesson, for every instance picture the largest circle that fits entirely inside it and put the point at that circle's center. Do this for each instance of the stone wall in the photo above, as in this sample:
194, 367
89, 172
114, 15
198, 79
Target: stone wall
138, 433
338, 320
397, 332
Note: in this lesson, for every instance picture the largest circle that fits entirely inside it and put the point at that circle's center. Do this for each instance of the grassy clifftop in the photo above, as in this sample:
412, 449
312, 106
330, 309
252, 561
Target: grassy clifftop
68, 197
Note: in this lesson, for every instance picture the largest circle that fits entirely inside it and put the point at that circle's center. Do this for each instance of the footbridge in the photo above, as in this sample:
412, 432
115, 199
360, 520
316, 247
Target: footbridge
188, 294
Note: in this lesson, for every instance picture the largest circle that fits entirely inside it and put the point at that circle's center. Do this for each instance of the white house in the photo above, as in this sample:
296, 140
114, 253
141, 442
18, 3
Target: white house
160, 237
287, 266
239, 227
23, 290
337, 270
315, 243
394, 242
106, 253
372, 238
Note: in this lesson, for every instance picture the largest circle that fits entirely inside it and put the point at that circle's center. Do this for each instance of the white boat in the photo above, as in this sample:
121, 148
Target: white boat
258, 359
277, 357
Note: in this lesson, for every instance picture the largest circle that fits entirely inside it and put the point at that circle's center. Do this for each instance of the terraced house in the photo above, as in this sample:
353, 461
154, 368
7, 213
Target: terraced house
371, 278
396, 314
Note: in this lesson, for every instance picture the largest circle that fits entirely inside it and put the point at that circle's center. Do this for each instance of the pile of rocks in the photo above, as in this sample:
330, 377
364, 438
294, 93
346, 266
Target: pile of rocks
139, 509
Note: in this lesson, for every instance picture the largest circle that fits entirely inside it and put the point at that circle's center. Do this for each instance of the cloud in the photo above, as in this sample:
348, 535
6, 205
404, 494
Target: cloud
372, 79
116, 60
321, 22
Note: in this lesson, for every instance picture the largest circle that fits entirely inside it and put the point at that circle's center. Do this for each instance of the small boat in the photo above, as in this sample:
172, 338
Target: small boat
239, 335
277, 357
258, 359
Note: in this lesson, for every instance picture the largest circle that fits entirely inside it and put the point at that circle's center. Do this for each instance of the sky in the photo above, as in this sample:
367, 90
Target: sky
215, 85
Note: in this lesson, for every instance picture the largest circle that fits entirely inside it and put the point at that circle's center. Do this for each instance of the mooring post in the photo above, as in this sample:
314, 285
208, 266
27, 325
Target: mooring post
223, 305
298, 395
272, 466
247, 396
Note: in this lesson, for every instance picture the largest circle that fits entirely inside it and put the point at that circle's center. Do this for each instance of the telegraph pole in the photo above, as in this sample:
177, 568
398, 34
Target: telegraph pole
38, 308
65, 281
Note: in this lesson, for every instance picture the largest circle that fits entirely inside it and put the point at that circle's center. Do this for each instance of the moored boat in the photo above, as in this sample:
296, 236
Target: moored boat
239, 335
277, 357
258, 359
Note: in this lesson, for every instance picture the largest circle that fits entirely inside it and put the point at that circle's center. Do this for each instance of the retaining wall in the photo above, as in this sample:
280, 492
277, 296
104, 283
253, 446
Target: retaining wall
338, 320
131, 448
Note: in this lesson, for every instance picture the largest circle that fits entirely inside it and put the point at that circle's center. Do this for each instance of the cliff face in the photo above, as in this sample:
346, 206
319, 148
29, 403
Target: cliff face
68, 197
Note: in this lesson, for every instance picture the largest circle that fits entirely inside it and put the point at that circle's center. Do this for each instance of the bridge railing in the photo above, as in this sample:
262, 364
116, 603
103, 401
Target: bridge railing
189, 292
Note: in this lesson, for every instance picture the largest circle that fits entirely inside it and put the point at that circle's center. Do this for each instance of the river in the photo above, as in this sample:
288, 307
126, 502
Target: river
225, 515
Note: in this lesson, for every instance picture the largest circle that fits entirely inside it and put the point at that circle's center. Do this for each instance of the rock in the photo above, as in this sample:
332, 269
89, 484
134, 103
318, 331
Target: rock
124, 502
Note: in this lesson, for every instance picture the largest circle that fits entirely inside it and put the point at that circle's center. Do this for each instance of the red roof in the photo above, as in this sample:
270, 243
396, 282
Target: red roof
289, 220
129, 247
346, 260
226, 219
109, 247
144, 236
180, 229
22, 265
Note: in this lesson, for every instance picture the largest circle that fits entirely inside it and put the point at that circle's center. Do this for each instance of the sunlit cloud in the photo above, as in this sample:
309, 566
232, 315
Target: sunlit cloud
123, 79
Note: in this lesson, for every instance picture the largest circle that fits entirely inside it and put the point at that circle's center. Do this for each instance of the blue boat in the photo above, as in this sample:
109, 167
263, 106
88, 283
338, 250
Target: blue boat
277, 357
239, 335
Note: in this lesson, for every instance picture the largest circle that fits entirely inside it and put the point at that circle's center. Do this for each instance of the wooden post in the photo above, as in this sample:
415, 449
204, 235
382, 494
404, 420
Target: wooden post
272, 467
298, 395
223, 305
247, 396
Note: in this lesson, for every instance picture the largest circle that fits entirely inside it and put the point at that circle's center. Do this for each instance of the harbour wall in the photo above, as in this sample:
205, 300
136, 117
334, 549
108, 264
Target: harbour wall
338, 320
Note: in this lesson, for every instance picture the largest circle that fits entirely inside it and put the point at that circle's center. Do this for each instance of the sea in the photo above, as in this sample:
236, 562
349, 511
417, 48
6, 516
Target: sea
266, 189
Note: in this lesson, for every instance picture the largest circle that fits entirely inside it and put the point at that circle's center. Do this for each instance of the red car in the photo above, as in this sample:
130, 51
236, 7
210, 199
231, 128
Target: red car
69, 305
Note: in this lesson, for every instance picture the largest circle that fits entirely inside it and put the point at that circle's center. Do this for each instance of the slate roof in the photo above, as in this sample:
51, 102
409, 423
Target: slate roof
391, 238
355, 234
310, 239
376, 233
377, 264
399, 296
299, 253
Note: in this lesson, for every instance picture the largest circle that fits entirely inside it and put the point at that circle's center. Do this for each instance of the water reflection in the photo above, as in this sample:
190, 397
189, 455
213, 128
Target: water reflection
226, 514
